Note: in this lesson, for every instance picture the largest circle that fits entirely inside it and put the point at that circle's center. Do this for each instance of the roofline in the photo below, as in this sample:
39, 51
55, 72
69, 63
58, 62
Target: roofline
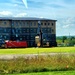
26, 18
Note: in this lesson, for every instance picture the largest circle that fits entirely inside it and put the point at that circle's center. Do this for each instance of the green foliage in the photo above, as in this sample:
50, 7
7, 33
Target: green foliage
64, 38
66, 41
38, 64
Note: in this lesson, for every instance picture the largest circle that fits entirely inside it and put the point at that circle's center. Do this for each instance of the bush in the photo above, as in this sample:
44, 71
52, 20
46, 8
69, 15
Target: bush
38, 64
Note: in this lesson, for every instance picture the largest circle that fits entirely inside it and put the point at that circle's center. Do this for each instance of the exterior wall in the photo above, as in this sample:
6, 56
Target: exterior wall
24, 30
5, 29
5, 23
49, 31
27, 30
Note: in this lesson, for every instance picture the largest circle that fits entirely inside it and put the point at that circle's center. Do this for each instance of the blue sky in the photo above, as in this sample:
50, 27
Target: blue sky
61, 10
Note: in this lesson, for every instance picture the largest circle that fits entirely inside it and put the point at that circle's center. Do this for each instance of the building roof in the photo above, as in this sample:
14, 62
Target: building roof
24, 18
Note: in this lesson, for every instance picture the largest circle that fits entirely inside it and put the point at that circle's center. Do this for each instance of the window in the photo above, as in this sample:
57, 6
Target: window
5, 22
27, 30
52, 24
13, 31
5, 30
21, 39
31, 43
41, 23
23, 30
27, 37
26, 23
49, 30
30, 23
16, 23
32, 37
0, 36
12, 23
24, 36
45, 23
52, 30
31, 30
35, 30
20, 31
48, 23
5, 37
34, 23
44, 30
23, 23
16, 30
19, 22
16, 35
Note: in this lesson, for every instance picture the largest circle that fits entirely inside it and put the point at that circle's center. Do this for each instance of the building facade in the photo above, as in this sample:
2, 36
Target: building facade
25, 29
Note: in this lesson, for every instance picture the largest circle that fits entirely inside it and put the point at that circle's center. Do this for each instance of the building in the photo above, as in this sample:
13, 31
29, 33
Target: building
26, 29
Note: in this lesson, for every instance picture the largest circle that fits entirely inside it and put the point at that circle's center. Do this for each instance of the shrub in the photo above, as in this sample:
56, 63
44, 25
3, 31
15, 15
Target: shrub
38, 64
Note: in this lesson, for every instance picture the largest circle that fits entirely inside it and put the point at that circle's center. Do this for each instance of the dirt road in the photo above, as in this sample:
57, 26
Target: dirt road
12, 56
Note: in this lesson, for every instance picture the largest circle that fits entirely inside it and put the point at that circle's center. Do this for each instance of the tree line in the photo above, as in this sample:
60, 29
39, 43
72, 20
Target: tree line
65, 41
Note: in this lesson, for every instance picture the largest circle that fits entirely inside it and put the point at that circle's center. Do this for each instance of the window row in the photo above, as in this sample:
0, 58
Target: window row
30, 23
24, 30
47, 24
24, 23
51, 37
23, 37
5, 37
5, 30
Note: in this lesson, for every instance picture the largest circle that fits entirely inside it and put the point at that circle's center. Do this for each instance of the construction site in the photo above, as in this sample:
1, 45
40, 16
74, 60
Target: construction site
34, 31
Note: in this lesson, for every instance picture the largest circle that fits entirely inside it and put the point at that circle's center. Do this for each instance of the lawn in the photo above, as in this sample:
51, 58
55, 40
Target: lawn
49, 73
37, 50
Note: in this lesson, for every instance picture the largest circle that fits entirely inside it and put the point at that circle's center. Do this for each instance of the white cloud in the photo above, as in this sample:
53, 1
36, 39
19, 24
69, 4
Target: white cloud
69, 22
6, 13
10, 14
65, 26
21, 15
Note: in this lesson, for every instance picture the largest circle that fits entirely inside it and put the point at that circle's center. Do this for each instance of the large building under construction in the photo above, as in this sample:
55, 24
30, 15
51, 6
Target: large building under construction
25, 29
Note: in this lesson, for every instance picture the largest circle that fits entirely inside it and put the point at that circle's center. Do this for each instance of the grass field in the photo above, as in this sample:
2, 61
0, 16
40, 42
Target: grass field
37, 50
57, 64
48, 73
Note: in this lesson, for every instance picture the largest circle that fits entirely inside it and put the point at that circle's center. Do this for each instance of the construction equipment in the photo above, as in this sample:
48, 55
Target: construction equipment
40, 39
15, 44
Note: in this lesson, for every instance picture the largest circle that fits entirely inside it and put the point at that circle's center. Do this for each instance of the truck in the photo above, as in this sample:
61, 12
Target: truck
15, 44
12, 44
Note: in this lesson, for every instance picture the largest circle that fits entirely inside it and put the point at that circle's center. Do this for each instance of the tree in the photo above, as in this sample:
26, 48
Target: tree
64, 38
72, 38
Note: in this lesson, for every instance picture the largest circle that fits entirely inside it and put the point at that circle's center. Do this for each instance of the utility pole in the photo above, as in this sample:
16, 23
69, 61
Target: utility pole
69, 39
69, 35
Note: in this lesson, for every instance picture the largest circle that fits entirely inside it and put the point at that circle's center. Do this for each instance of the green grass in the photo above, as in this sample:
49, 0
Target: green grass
38, 64
57, 64
49, 73
37, 50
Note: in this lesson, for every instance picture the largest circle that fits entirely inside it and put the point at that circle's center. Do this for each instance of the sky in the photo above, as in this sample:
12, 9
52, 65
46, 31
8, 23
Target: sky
61, 10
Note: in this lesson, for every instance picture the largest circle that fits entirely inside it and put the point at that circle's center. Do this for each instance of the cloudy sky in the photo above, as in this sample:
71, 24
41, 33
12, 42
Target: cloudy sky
61, 10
